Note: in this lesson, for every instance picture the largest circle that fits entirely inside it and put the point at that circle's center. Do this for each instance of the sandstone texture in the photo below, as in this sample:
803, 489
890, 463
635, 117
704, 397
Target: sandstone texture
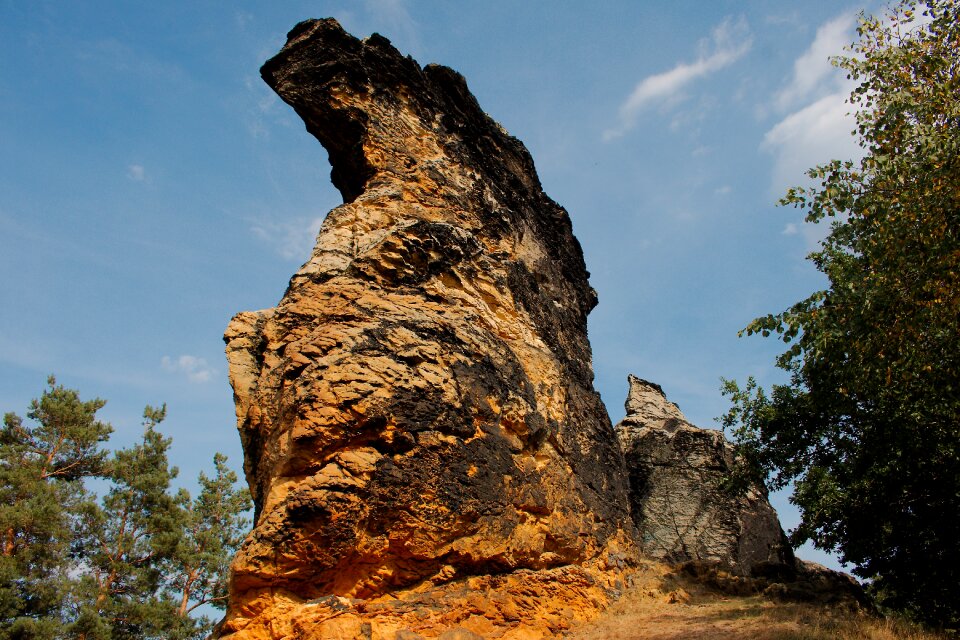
677, 496
422, 438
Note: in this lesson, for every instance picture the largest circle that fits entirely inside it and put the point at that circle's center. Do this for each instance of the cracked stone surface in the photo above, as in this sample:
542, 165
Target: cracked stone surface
678, 502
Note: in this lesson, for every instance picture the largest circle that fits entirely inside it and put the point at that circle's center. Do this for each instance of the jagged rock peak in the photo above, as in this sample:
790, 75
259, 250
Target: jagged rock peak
647, 405
418, 411
678, 498
321, 72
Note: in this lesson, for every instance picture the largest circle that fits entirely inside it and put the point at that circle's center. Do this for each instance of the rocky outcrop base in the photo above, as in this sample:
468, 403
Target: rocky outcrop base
521, 605
800, 581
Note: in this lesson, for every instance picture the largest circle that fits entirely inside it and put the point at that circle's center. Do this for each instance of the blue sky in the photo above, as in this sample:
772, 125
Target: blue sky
151, 185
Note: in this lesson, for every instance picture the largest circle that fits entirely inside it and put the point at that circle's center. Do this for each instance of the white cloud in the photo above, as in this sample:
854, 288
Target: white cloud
812, 234
196, 369
292, 239
818, 122
136, 172
722, 191
813, 75
814, 135
729, 42
792, 18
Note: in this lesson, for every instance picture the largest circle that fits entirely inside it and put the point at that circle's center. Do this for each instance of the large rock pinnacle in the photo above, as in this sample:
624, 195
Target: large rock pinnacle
419, 408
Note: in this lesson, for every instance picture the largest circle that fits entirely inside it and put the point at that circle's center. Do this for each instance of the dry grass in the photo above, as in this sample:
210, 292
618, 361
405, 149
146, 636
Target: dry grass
665, 606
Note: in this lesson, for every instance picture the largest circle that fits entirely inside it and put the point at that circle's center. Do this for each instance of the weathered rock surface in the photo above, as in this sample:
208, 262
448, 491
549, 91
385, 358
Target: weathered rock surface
418, 411
678, 503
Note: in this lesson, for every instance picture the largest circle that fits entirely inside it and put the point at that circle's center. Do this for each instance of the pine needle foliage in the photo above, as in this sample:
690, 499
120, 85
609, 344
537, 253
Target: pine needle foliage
135, 560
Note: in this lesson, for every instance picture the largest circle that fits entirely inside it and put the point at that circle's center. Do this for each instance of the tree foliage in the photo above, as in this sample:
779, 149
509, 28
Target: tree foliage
868, 428
41, 492
132, 561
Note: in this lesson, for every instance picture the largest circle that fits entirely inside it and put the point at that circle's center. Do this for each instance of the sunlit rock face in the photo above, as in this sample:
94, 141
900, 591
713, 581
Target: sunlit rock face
418, 410
678, 500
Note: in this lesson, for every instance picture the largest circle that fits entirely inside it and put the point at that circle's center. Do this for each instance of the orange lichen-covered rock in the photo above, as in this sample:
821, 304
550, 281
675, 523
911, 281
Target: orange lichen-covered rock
417, 413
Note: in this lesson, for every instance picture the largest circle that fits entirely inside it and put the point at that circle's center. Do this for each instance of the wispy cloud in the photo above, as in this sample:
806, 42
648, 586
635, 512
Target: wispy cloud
791, 18
813, 75
813, 135
196, 369
263, 110
121, 58
816, 122
292, 239
136, 172
243, 19
729, 42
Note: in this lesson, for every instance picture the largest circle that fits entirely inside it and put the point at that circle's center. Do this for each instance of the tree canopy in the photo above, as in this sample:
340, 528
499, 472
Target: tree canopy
868, 427
133, 560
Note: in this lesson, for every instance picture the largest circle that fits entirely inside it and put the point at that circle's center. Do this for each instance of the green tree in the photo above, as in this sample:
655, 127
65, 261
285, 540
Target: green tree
153, 557
129, 541
868, 428
135, 562
42, 467
214, 528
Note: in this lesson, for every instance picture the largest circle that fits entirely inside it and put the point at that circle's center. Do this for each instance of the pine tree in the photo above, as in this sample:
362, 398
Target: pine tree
128, 543
215, 527
42, 468
137, 561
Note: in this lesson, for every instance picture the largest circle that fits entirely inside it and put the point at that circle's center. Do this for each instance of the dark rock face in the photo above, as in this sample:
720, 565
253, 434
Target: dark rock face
419, 406
677, 500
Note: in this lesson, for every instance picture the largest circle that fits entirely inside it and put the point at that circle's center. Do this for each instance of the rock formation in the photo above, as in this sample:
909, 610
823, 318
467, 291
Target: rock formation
427, 454
677, 497
421, 434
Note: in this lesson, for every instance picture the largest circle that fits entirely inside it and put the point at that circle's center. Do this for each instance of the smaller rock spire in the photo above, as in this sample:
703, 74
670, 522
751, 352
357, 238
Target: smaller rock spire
678, 499
647, 405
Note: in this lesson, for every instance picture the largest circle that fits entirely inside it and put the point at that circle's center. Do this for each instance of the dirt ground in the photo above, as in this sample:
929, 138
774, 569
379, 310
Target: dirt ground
662, 606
